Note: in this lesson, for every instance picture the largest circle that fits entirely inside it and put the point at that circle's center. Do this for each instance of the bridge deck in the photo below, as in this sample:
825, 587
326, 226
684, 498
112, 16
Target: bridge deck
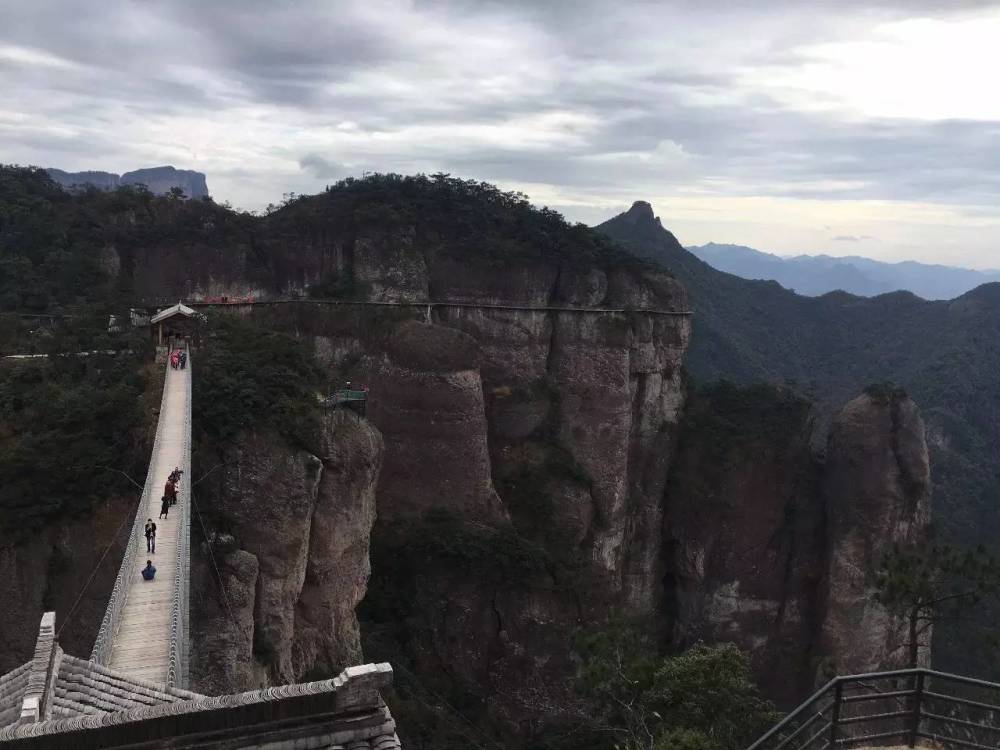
141, 646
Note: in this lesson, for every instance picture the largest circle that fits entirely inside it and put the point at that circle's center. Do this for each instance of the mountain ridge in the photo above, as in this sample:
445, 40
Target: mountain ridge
814, 275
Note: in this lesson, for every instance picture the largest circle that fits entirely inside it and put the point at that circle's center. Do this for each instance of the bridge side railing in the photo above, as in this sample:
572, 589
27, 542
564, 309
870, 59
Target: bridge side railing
177, 671
128, 570
884, 709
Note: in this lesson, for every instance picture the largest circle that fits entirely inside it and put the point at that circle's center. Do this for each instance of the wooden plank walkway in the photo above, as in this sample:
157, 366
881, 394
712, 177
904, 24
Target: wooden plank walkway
141, 647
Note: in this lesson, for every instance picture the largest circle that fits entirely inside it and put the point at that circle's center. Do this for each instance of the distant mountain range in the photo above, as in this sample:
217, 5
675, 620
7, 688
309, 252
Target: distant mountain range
159, 180
814, 275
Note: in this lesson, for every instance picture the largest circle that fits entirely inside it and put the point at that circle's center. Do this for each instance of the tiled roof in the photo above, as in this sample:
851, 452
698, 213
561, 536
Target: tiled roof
345, 713
170, 312
84, 687
12, 687
57, 701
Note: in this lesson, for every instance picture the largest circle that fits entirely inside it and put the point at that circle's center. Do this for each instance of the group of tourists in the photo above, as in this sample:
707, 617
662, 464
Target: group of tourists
169, 498
170, 492
178, 359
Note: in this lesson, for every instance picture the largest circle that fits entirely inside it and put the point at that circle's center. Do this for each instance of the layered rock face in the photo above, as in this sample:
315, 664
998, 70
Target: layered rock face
546, 427
545, 436
745, 525
877, 487
431, 411
289, 532
775, 543
160, 180
601, 389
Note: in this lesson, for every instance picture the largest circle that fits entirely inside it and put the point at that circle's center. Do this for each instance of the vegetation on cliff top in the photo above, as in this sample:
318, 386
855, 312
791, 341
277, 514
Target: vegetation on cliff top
454, 216
68, 426
726, 425
47, 252
60, 250
249, 377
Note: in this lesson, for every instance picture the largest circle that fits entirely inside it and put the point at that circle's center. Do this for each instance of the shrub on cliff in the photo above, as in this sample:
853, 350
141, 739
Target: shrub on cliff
726, 426
249, 377
68, 426
702, 699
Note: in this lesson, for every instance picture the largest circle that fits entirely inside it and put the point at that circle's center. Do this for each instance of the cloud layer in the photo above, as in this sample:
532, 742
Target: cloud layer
784, 126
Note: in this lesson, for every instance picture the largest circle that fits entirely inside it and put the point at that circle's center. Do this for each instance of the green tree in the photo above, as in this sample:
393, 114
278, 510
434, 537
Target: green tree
702, 699
924, 585
685, 739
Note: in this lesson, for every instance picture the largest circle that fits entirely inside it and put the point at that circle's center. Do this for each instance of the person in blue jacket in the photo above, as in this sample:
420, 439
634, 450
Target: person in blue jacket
149, 571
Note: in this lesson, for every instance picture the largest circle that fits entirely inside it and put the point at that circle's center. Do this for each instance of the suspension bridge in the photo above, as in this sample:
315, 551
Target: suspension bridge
145, 630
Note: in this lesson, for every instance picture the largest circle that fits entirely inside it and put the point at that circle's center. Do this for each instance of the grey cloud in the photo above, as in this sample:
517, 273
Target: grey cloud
322, 168
638, 73
852, 238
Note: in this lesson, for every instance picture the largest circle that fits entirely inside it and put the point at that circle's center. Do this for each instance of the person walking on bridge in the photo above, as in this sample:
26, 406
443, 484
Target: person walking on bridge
149, 571
171, 491
164, 506
150, 535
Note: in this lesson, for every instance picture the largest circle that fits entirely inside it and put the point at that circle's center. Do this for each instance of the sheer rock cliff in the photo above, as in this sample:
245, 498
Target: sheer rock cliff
290, 538
776, 526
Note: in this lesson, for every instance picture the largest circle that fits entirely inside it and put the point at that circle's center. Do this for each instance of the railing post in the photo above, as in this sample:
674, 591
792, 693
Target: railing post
917, 698
838, 692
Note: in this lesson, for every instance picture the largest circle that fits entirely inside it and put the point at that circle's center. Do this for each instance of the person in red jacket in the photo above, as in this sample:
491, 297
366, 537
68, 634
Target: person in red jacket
171, 491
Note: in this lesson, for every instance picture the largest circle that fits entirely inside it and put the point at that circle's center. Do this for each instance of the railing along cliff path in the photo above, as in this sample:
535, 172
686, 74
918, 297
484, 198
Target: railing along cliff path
428, 305
144, 632
905, 707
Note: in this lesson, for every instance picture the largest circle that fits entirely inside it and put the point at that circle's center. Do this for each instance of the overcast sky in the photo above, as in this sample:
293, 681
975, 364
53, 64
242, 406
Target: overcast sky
843, 127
